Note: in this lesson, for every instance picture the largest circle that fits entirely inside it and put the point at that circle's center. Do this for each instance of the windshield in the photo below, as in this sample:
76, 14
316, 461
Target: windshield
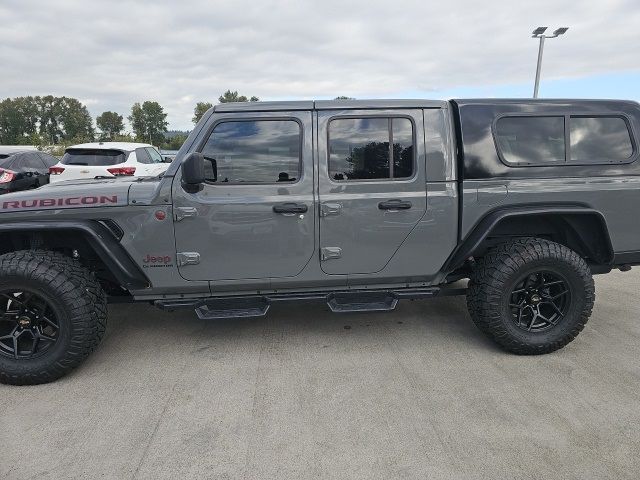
93, 157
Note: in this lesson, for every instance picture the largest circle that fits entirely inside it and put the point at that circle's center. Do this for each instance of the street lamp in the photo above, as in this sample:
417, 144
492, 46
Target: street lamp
539, 33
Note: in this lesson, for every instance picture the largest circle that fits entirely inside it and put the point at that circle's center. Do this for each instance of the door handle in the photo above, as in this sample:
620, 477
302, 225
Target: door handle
290, 207
395, 204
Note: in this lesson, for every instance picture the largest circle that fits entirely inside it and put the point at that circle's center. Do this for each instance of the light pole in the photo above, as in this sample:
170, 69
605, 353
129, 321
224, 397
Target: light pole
539, 33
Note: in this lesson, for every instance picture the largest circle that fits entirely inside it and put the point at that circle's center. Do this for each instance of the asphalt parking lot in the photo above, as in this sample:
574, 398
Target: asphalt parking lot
302, 393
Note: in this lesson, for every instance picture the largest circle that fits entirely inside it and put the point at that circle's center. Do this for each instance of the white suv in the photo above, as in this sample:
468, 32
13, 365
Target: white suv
108, 159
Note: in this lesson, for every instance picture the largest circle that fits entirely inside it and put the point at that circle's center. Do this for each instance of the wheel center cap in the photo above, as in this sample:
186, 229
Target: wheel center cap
535, 299
24, 322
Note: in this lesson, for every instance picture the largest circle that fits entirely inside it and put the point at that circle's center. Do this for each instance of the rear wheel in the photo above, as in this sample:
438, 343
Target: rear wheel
52, 315
531, 295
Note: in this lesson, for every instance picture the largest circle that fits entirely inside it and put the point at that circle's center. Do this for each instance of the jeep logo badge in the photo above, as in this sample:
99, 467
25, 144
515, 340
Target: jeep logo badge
157, 261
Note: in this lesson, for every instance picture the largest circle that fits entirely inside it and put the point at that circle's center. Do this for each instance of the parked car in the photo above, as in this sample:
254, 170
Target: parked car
23, 169
108, 159
357, 203
168, 155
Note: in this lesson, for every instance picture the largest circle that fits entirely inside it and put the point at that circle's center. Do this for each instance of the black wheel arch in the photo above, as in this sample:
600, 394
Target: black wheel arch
578, 227
99, 238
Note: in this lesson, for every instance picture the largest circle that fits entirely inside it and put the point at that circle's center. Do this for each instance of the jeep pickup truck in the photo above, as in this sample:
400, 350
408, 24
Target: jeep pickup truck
359, 204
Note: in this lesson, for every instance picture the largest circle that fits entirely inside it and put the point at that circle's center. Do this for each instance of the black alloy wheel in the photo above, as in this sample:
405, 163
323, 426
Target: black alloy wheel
53, 314
28, 324
531, 295
540, 300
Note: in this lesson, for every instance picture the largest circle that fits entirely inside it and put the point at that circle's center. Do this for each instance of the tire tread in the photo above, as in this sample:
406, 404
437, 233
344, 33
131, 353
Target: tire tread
492, 271
79, 291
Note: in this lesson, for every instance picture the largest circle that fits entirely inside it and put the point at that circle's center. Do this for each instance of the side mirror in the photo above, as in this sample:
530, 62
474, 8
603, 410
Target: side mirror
167, 159
193, 172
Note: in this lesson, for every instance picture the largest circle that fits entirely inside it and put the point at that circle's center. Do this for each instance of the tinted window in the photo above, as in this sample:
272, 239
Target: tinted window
402, 148
142, 156
359, 148
155, 156
92, 157
260, 151
599, 139
523, 140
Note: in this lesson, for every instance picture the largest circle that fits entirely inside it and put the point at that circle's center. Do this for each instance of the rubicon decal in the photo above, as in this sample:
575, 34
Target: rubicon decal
59, 202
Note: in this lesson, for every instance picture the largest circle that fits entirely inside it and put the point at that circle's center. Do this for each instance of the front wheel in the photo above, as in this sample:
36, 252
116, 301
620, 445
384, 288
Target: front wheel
531, 295
52, 315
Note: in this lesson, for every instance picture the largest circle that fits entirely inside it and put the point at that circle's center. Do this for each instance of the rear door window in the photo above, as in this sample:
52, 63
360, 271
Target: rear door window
361, 148
154, 154
142, 156
599, 139
531, 140
93, 157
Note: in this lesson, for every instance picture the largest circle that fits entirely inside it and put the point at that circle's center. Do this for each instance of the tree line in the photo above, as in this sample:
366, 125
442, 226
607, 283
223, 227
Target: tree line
43, 119
51, 120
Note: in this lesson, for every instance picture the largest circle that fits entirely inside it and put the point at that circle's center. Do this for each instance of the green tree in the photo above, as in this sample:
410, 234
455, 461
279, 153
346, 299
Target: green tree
230, 96
44, 120
149, 122
49, 118
110, 124
175, 142
76, 123
14, 126
124, 137
199, 110
29, 110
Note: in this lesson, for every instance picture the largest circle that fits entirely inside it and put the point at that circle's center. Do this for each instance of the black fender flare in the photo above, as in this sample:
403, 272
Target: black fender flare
103, 240
471, 244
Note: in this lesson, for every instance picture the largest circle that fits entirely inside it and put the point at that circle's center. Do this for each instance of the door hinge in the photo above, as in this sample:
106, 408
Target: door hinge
328, 253
327, 209
188, 258
180, 213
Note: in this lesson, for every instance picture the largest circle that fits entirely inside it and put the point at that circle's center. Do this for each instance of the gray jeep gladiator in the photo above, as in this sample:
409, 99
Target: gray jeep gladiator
356, 203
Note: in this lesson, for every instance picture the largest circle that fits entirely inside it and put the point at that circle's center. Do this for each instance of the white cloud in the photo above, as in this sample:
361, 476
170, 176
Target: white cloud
116, 53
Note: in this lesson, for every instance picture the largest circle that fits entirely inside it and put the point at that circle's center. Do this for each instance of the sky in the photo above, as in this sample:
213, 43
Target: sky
112, 53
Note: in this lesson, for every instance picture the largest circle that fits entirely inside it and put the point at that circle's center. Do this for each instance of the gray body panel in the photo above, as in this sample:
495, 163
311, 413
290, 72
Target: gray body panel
616, 198
71, 195
608, 187
236, 231
367, 237
253, 249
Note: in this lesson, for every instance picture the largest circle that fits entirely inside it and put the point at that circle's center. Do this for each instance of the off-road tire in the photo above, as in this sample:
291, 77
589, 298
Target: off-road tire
79, 301
493, 281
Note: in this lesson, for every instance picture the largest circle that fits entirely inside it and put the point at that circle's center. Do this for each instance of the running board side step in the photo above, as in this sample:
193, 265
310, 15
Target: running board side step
362, 302
233, 308
212, 308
